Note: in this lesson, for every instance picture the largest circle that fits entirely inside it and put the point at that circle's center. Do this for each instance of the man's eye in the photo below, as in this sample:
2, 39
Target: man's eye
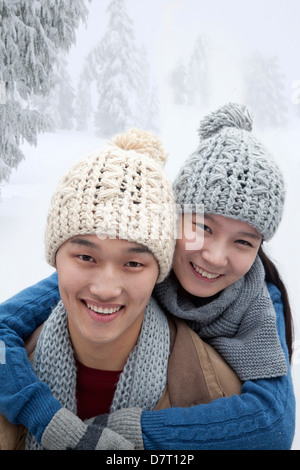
133, 264
86, 258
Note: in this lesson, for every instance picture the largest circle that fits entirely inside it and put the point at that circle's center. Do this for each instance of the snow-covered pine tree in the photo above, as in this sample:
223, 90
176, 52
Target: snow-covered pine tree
83, 105
83, 100
147, 97
58, 104
149, 109
66, 96
197, 81
31, 34
264, 90
177, 80
119, 77
190, 78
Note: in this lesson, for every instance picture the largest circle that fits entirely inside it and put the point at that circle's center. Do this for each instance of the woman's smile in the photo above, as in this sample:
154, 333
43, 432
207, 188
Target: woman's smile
203, 274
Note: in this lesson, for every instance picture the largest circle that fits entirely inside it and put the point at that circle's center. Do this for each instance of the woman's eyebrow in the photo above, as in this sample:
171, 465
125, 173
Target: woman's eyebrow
250, 235
209, 217
253, 235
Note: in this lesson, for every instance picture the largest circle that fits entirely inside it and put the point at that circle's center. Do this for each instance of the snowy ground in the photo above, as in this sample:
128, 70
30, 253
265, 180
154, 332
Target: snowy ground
25, 202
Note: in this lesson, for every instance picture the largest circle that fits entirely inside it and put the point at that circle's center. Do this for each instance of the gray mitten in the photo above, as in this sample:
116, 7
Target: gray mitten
126, 422
67, 432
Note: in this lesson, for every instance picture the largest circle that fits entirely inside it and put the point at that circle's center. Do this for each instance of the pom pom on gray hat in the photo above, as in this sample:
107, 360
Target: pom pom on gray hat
232, 173
231, 115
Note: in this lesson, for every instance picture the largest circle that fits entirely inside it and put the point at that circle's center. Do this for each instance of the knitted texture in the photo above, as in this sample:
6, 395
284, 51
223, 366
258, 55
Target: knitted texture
127, 422
67, 432
240, 323
232, 173
144, 376
124, 422
140, 384
119, 191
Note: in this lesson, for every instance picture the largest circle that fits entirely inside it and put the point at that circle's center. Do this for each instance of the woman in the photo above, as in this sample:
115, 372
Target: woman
267, 393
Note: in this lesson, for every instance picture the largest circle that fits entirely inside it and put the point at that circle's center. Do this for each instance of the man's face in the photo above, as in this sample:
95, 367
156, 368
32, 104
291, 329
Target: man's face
105, 285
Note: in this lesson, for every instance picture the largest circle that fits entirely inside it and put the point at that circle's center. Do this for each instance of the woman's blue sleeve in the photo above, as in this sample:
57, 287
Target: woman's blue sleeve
24, 399
261, 418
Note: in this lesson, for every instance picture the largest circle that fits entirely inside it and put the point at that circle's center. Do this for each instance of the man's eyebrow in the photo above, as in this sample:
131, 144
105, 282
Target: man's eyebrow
131, 249
82, 241
138, 249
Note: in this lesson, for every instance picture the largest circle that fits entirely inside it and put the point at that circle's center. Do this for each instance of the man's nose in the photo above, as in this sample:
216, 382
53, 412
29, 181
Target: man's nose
106, 284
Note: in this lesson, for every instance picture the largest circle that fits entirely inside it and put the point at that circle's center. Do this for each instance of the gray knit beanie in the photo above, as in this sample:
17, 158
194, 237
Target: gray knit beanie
232, 173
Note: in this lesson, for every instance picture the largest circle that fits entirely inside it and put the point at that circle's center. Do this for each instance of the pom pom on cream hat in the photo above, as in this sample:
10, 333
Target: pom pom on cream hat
120, 191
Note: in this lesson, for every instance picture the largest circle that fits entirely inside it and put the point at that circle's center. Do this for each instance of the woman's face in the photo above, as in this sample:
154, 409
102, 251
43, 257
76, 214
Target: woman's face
105, 285
213, 252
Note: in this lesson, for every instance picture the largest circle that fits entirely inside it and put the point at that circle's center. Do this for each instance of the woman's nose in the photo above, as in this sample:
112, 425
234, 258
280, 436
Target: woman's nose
215, 255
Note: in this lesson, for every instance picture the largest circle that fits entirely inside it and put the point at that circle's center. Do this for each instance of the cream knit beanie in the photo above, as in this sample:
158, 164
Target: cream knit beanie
120, 191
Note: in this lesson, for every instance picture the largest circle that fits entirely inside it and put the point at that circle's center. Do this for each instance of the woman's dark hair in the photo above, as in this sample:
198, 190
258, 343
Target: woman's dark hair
272, 275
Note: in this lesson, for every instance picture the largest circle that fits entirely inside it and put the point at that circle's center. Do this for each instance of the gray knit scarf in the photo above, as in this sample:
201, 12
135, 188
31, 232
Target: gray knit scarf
140, 384
240, 323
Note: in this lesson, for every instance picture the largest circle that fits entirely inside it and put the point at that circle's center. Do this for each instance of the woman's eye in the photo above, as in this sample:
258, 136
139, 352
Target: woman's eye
86, 258
203, 227
243, 242
133, 264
